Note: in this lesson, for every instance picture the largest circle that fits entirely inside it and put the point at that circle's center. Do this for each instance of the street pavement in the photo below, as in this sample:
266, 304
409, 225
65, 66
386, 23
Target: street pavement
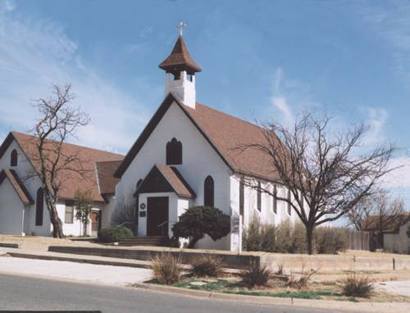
28, 293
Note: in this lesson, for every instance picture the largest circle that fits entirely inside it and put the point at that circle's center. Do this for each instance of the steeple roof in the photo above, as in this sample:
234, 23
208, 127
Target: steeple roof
180, 59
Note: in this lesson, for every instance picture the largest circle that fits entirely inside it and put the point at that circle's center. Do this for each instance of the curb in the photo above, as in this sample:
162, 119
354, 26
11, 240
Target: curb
373, 307
9, 245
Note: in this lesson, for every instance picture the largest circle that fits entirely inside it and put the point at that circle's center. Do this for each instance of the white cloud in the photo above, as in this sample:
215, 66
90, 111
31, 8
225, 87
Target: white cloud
376, 122
279, 101
34, 54
392, 24
7, 6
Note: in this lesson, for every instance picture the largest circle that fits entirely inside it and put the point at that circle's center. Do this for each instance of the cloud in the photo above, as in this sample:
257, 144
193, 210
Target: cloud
279, 101
34, 55
392, 24
376, 122
7, 6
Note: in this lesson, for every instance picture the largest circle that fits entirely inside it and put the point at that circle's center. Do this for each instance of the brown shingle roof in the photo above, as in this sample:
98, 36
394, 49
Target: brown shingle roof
17, 184
176, 180
224, 132
229, 134
105, 175
71, 181
180, 59
391, 224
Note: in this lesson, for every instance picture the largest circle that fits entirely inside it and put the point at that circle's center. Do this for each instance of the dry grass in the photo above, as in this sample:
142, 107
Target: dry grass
357, 286
206, 265
166, 269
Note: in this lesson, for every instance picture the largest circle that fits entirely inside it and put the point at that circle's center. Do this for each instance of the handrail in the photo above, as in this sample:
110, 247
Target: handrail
162, 224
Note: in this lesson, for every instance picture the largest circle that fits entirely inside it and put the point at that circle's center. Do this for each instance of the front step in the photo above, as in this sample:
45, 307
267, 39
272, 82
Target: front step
145, 241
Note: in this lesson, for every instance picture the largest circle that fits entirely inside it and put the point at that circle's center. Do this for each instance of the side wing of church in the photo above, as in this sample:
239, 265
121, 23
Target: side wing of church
188, 155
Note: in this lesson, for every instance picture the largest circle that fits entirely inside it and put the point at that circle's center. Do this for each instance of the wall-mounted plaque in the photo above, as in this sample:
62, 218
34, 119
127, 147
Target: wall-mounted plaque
143, 214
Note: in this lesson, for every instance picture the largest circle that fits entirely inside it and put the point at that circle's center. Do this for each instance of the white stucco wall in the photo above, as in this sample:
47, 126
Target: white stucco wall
183, 88
106, 212
199, 161
11, 210
398, 243
10, 204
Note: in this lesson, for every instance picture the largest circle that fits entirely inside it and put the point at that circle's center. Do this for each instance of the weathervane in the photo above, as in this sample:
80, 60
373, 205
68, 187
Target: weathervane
180, 27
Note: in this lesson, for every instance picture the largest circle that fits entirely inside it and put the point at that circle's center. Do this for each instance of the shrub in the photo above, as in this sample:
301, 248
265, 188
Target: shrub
124, 215
259, 237
255, 275
207, 265
354, 286
199, 221
288, 238
113, 234
166, 269
331, 240
302, 280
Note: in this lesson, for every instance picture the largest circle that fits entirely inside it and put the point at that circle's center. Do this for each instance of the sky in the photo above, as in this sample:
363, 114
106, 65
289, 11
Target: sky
262, 60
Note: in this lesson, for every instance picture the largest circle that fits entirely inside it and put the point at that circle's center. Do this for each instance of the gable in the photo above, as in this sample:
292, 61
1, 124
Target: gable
225, 133
73, 181
164, 178
152, 124
17, 185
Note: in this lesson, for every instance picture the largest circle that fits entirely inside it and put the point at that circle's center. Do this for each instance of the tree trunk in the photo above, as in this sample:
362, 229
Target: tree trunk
57, 224
193, 241
54, 219
309, 239
85, 229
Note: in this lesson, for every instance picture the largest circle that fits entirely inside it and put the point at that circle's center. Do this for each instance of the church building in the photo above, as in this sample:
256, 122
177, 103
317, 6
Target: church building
187, 155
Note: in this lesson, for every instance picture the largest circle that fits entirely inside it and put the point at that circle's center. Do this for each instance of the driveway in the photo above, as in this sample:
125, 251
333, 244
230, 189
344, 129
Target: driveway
81, 272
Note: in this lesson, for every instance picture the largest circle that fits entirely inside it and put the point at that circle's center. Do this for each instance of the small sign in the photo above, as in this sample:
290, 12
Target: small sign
142, 206
143, 214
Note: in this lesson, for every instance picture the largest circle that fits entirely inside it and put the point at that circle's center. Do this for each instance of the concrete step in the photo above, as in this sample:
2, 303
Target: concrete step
145, 241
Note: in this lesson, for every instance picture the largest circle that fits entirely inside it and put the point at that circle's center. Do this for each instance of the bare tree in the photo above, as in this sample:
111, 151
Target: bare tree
58, 121
325, 173
83, 205
378, 212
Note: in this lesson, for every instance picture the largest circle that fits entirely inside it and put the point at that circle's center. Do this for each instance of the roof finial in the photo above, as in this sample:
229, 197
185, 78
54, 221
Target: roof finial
180, 27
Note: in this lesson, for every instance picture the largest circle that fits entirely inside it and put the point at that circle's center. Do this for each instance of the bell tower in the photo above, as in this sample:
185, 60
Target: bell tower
180, 71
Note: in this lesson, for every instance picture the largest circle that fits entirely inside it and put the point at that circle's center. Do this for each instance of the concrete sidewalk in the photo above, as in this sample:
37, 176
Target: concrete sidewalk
57, 256
70, 271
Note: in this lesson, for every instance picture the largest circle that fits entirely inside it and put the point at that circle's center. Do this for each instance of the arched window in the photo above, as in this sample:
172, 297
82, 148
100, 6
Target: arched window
39, 207
259, 197
174, 152
275, 199
241, 195
209, 191
13, 158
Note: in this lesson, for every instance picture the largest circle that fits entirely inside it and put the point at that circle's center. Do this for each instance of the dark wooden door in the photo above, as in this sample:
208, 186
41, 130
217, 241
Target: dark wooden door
157, 216
95, 221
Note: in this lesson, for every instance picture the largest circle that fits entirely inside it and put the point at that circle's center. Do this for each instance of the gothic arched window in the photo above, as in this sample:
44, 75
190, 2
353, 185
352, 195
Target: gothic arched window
209, 191
13, 158
39, 207
174, 152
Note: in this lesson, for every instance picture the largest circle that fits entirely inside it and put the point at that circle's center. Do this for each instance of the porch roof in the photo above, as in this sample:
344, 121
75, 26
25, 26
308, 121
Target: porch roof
165, 178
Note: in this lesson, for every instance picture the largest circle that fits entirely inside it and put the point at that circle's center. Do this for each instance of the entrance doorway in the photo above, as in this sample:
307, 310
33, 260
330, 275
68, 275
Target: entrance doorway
157, 216
95, 222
